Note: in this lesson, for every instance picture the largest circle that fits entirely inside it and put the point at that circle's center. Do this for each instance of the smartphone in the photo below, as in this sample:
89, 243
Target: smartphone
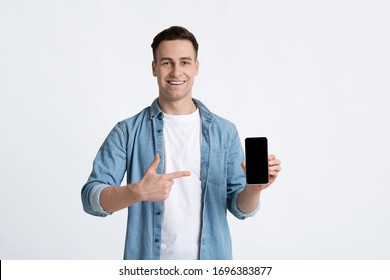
256, 157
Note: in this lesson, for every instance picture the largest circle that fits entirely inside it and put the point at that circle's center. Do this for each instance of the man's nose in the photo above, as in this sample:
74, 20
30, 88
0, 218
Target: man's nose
176, 71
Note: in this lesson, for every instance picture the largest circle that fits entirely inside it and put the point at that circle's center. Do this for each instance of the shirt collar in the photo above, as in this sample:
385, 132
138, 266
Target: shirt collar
155, 109
205, 113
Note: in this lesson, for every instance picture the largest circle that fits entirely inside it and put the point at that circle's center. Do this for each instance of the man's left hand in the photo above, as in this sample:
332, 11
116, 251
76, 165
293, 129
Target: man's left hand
274, 167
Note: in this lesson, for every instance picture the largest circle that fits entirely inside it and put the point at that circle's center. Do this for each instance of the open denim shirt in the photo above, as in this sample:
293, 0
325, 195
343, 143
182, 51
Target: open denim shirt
131, 146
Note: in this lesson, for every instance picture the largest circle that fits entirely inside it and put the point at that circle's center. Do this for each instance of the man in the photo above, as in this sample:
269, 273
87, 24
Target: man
185, 167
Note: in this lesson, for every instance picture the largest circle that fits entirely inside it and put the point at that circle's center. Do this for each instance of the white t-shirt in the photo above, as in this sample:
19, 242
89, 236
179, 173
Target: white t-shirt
182, 210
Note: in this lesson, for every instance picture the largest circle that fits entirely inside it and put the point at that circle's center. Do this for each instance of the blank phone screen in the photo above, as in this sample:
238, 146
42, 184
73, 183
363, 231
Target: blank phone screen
256, 153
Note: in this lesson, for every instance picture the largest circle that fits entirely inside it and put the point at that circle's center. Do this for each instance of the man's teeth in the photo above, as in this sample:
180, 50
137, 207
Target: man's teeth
176, 82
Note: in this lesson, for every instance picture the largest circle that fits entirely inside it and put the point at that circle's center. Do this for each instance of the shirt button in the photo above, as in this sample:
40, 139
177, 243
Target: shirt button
158, 213
156, 240
159, 130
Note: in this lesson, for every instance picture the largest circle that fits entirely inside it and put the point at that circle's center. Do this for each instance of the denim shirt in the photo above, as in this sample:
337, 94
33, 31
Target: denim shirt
131, 146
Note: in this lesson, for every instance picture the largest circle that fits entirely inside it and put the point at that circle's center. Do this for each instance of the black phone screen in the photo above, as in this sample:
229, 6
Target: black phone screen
256, 154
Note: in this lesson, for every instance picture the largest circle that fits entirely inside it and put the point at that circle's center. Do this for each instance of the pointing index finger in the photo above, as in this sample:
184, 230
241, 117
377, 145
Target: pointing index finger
178, 174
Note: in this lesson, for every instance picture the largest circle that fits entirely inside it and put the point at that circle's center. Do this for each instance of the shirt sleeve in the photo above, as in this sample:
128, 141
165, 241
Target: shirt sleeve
108, 169
94, 200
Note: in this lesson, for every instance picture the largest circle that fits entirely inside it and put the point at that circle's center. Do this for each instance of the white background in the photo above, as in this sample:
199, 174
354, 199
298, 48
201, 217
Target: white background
312, 76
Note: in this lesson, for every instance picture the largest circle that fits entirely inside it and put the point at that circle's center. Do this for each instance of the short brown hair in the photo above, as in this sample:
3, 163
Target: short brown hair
174, 33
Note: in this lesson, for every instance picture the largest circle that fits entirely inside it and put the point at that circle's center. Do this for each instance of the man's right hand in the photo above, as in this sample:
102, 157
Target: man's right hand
156, 187
153, 187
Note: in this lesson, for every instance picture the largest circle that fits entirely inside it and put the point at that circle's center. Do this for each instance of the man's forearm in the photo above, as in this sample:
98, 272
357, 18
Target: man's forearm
113, 199
248, 199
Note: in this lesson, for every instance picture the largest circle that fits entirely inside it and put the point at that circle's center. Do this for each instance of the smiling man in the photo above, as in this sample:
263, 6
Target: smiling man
175, 65
185, 167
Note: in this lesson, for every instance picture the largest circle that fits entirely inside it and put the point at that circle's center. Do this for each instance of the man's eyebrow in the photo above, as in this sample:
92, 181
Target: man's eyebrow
166, 58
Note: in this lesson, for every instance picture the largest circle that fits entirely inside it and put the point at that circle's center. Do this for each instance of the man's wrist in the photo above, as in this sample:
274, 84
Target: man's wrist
134, 193
254, 189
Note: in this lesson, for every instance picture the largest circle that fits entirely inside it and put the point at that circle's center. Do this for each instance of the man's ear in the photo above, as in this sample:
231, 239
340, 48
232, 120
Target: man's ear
197, 67
154, 68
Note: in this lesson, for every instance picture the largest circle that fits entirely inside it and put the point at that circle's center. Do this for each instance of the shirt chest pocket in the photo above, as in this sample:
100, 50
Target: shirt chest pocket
217, 167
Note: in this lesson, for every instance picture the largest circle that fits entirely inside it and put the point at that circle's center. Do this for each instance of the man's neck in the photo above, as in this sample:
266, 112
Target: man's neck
180, 107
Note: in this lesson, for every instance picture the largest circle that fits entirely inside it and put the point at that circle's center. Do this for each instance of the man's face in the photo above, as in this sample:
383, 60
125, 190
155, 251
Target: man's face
175, 67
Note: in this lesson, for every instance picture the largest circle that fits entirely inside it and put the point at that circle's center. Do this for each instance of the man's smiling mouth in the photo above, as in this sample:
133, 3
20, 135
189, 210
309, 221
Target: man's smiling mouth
175, 83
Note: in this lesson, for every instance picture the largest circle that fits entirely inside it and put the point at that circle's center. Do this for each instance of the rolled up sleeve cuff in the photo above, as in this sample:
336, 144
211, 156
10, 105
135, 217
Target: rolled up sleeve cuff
95, 200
